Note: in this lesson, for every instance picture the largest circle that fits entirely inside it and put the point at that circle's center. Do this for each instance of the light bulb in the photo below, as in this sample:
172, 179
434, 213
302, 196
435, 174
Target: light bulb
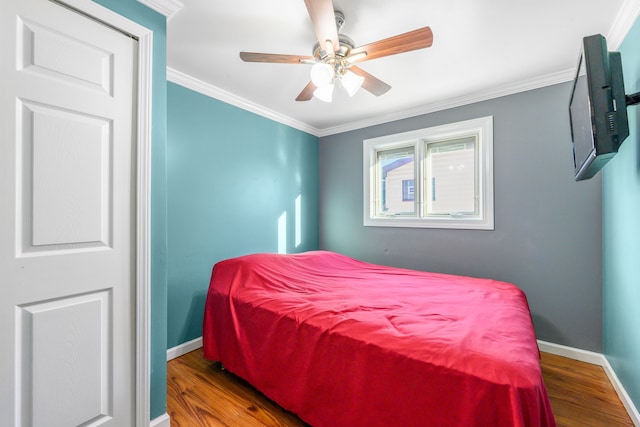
324, 93
351, 82
321, 74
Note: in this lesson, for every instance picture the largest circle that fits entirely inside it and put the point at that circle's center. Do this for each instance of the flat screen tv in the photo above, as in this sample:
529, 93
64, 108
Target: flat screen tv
597, 107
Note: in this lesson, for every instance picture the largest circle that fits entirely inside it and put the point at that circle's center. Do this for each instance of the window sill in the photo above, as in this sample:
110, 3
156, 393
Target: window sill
446, 223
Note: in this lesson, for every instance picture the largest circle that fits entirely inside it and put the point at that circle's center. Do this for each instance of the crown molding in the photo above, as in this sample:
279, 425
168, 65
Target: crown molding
167, 8
504, 90
627, 16
207, 89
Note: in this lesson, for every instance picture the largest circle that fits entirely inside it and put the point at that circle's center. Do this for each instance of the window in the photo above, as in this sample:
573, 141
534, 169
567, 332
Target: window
439, 177
395, 167
451, 175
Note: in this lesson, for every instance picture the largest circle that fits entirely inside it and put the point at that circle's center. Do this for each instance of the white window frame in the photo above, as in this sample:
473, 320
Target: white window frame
482, 128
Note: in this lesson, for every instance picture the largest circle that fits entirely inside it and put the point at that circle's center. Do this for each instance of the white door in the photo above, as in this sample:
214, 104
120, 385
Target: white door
67, 219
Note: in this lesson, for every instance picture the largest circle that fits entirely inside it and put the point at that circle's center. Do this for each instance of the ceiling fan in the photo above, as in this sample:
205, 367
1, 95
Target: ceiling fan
335, 55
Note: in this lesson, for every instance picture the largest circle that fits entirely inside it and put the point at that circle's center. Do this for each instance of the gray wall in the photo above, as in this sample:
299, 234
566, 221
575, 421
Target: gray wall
547, 238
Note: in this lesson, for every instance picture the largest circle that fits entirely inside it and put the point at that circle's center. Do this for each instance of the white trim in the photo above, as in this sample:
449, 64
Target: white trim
161, 421
143, 188
209, 90
484, 95
599, 360
168, 8
143, 292
622, 393
572, 353
627, 16
184, 348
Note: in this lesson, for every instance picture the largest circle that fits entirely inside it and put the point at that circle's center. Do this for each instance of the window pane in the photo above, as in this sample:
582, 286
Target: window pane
451, 177
395, 182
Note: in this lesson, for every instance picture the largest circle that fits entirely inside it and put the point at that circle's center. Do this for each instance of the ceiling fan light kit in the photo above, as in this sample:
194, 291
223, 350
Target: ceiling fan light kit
324, 93
322, 74
351, 82
334, 55
325, 75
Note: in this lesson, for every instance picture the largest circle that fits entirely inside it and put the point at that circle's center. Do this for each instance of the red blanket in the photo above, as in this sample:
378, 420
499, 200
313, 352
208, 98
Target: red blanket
341, 342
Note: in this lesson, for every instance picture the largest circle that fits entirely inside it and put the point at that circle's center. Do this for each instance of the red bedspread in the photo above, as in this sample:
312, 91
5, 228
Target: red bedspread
341, 342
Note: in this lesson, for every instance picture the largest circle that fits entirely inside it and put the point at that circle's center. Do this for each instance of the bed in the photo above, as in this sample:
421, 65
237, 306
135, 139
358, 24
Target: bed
341, 342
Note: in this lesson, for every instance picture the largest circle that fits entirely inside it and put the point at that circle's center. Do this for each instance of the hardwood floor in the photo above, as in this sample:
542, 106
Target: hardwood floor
581, 394
201, 394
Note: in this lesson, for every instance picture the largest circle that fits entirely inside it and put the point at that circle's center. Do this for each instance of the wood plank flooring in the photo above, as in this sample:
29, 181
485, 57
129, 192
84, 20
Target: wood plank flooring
201, 394
581, 394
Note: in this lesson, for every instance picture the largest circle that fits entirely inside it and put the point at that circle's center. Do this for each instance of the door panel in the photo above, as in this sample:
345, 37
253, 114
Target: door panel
66, 179
61, 56
67, 228
67, 342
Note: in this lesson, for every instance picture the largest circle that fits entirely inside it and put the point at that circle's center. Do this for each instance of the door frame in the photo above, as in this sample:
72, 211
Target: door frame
142, 120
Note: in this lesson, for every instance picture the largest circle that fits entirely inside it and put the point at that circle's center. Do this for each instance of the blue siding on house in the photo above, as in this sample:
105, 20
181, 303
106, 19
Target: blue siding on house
231, 176
621, 238
157, 23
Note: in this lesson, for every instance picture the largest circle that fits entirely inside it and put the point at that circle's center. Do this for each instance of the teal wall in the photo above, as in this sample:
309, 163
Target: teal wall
231, 175
621, 238
146, 17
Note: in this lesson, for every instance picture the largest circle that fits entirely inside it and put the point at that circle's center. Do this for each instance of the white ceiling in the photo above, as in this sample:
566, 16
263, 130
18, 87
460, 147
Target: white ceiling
481, 49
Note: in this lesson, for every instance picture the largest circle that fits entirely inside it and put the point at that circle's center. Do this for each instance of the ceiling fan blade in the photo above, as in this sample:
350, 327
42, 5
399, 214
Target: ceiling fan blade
416, 39
324, 22
307, 92
371, 83
275, 57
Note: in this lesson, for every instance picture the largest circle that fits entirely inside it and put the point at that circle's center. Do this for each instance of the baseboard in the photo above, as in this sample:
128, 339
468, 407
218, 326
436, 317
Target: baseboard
622, 393
161, 421
572, 353
600, 360
184, 348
